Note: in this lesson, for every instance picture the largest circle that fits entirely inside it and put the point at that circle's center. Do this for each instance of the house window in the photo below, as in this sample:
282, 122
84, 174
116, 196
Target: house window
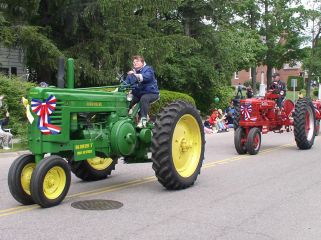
13, 71
236, 75
4, 71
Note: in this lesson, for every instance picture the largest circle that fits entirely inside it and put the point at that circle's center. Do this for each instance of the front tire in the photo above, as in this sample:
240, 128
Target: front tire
304, 123
50, 181
19, 176
178, 145
240, 140
253, 143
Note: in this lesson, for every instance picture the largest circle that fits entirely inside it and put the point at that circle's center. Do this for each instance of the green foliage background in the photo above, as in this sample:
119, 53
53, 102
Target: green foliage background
167, 97
14, 89
300, 83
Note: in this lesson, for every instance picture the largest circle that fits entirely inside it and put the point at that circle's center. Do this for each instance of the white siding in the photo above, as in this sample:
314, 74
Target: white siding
12, 58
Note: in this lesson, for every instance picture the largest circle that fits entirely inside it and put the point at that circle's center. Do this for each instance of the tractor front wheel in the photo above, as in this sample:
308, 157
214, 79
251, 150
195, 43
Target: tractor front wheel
19, 176
253, 143
50, 181
94, 169
304, 123
240, 140
178, 145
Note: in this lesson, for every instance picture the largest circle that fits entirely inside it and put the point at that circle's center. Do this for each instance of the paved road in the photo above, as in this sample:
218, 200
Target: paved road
273, 195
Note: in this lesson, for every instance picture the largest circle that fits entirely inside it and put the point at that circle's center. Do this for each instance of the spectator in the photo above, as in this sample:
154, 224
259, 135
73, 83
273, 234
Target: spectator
221, 121
229, 120
207, 125
239, 90
5, 137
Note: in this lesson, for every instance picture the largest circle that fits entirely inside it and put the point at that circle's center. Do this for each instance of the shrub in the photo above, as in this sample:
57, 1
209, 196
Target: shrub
316, 92
300, 83
225, 94
167, 97
249, 83
14, 89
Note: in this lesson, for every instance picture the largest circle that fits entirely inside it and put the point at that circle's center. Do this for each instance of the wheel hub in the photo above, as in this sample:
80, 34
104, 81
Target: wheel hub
54, 182
26, 177
184, 145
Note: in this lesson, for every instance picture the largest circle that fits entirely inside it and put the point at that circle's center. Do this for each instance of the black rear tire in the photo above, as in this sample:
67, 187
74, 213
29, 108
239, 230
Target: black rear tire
87, 171
240, 140
19, 176
178, 145
253, 143
304, 123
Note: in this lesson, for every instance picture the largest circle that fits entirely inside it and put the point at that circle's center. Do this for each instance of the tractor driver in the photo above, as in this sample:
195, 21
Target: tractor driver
142, 78
278, 87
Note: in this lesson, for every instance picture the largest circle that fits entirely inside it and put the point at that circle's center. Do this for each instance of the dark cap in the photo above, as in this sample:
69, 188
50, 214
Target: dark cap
275, 74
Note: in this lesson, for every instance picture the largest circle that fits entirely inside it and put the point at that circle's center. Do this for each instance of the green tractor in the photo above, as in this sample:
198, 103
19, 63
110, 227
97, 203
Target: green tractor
85, 131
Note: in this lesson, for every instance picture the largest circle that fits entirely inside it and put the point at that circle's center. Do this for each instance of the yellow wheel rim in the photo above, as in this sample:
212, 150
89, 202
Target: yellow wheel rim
186, 145
26, 177
99, 163
54, 182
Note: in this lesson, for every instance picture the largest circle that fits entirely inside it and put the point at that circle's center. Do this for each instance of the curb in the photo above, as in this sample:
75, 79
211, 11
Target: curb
13, 154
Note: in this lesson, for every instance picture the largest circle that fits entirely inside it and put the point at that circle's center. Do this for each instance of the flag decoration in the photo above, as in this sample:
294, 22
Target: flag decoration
43, 110
246, 110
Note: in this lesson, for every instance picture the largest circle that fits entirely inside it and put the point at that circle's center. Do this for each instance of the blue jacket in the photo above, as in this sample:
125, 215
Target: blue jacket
148, 85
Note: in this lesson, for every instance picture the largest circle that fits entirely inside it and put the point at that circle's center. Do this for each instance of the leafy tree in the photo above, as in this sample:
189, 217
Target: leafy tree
280, 24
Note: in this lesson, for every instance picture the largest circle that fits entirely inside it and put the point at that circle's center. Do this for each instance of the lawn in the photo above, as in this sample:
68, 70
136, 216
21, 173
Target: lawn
16, 147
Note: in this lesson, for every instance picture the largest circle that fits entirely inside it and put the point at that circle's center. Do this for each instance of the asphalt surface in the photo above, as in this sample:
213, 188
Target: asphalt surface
272, 195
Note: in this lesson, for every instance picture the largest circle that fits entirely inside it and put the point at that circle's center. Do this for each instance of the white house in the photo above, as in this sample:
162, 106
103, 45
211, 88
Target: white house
11, 61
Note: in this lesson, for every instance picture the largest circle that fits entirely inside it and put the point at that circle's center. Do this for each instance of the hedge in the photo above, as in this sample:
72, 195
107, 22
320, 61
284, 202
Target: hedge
167, 97
14, 89
316, 92
300, 83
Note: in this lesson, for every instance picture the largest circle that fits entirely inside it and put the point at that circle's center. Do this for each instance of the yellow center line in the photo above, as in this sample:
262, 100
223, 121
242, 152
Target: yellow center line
20, 209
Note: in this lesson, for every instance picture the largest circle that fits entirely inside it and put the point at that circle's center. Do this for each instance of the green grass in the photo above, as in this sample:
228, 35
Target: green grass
16, 147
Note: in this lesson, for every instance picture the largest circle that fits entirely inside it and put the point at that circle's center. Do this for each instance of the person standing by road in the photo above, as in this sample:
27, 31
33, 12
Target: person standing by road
239, 90
5, 136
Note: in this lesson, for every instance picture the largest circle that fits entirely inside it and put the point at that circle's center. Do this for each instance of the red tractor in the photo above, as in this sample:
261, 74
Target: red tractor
317, 108
256, 116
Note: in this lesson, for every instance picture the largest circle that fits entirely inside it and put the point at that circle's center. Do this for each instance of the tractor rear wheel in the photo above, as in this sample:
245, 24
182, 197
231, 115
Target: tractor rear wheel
50, 181
317, 128
240, 140
253, 143
304, 123
178, 145
19, 176
94, 169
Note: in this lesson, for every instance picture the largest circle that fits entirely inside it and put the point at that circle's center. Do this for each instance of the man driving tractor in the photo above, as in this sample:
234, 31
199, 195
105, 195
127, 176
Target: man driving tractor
278, 87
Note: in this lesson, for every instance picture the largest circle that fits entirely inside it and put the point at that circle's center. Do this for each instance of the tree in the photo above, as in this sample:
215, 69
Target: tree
280, 24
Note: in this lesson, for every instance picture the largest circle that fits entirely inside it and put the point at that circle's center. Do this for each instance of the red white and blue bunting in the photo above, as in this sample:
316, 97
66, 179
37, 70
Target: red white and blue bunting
43, 110
246, 110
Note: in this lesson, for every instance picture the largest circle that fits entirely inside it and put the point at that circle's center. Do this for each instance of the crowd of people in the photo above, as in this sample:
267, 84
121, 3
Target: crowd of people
220, 121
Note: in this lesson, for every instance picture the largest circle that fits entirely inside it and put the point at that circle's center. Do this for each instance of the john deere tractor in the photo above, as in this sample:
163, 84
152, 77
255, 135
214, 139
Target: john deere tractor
85, 131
